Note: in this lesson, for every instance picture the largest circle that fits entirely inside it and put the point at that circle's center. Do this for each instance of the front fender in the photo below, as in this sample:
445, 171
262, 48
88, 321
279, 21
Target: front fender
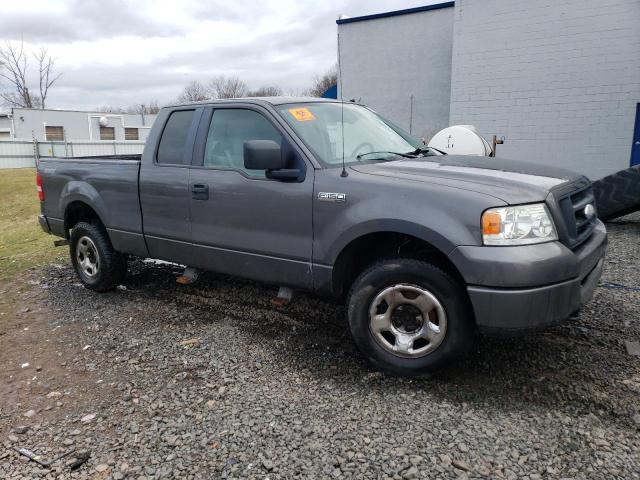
383, 225
440, 215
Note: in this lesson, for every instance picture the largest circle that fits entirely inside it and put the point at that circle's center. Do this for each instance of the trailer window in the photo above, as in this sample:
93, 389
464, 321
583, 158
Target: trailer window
107, 133
131, 133
54, 134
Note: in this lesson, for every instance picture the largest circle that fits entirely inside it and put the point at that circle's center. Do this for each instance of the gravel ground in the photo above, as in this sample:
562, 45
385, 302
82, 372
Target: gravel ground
213, 381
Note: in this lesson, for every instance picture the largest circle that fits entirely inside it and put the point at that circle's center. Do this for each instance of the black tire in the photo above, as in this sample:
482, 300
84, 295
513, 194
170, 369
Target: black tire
460, 327
111, 265
618, 194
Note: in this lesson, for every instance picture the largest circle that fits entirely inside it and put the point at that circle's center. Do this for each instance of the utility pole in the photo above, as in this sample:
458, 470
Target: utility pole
142, 113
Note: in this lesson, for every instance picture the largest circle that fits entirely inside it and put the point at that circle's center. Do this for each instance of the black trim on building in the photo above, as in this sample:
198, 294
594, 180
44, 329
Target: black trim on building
395, 13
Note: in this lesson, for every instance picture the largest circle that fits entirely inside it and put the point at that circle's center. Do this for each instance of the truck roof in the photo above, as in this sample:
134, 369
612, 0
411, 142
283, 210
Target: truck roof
259, 100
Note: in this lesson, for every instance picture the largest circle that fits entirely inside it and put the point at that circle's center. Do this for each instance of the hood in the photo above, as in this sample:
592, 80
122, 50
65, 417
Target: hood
508, 180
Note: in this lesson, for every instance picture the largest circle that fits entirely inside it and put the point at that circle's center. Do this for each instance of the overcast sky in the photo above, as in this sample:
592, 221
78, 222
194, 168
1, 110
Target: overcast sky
118, 52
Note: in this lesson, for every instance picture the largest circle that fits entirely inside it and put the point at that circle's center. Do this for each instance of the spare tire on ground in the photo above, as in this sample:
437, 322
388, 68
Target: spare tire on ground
618, 194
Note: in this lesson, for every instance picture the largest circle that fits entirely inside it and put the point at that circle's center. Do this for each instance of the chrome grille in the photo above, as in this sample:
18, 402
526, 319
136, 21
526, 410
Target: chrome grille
579, 226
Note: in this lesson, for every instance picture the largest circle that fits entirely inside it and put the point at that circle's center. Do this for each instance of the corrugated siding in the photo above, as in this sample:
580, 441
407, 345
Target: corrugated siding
16, 154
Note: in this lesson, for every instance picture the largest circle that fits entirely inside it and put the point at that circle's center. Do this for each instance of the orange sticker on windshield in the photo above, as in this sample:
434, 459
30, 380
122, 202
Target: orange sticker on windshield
302, 114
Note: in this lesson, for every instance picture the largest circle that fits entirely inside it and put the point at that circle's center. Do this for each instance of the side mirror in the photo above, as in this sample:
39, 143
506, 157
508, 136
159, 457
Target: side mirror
263, 155
267, 155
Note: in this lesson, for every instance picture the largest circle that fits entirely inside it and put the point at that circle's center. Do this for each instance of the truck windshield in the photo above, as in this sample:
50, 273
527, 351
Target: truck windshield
367, 137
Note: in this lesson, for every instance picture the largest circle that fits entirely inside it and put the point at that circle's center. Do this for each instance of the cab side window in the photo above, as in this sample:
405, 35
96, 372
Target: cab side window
228, 131
174, 137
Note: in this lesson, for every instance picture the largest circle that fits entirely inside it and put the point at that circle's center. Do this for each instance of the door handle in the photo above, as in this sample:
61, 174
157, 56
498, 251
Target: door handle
200, 191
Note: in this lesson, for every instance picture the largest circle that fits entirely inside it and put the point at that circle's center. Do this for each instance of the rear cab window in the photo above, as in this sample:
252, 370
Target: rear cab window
171, 149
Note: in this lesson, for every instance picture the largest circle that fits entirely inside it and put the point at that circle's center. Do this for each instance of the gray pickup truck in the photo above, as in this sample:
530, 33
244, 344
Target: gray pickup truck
427, 249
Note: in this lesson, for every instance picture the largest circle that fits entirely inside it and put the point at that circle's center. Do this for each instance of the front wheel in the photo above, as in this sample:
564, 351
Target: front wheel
409, 317
97, 264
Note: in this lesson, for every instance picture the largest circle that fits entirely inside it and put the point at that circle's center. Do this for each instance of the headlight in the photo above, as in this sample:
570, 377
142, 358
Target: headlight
518, 225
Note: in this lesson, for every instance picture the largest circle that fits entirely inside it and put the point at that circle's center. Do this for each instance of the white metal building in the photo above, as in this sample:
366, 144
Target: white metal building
559, 80
73, 125
26, 134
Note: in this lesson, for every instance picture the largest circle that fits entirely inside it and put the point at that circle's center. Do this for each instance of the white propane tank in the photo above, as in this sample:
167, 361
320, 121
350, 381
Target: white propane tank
461, 140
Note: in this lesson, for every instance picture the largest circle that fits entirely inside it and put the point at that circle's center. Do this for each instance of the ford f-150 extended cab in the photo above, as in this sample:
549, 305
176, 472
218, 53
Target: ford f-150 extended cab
427, 249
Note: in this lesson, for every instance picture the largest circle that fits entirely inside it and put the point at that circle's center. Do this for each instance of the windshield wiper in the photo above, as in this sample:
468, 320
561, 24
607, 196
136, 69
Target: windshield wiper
406, 155
420, 150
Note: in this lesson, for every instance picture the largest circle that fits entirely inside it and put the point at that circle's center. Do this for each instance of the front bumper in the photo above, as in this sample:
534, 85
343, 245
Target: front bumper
506, 303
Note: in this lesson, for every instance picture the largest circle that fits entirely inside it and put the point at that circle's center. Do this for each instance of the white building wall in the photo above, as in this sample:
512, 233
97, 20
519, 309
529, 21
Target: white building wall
82, 135
78, 125
386, 60
559, 79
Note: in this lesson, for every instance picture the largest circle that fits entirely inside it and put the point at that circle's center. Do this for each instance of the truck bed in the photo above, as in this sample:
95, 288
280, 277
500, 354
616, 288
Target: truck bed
108, 183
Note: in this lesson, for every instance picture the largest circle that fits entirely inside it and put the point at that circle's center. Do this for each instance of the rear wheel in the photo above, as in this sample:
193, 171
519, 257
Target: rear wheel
409, 317
97, 264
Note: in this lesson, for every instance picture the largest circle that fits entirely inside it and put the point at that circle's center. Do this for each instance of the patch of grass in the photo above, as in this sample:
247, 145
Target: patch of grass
23, 244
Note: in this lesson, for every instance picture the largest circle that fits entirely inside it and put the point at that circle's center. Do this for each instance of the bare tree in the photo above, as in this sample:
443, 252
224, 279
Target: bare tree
47, 75
223, 87
194, 92
267, 91
13, 69
110, 109
147, 108
13, 61
321, 83
227, 87
152, 107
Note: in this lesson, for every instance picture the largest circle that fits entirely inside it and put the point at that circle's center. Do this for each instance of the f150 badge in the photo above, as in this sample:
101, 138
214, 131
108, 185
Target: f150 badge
332, 197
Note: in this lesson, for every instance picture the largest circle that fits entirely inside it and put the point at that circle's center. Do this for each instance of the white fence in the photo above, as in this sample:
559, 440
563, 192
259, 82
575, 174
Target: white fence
17, 153
23, 153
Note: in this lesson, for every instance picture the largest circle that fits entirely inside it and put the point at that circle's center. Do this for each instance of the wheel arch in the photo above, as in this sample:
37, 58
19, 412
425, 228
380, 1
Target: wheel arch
79, 201
79, 211
399, 239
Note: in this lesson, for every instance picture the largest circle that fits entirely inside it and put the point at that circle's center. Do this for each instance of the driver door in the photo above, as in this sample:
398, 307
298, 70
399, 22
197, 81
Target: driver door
241, 222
